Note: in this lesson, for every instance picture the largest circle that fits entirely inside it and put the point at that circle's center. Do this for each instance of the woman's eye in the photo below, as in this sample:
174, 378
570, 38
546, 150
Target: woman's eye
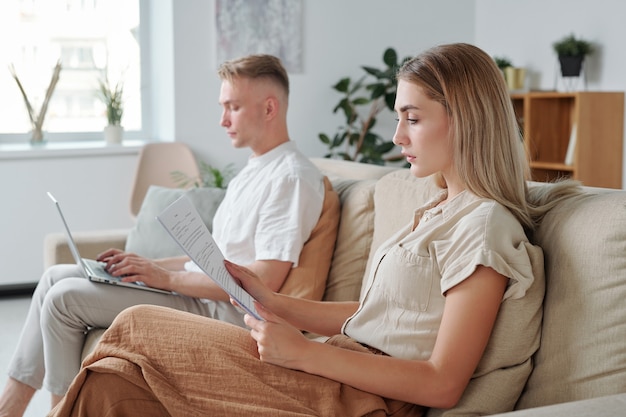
409, 120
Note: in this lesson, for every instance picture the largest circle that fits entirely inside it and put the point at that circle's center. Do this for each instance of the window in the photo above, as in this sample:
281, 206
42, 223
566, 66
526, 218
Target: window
92, 39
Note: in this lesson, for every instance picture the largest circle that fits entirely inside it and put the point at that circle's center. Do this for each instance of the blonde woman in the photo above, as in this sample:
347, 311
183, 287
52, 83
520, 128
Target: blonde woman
449, 293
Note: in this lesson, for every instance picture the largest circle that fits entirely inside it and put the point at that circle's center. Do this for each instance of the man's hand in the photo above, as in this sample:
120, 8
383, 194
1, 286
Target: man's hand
131, 267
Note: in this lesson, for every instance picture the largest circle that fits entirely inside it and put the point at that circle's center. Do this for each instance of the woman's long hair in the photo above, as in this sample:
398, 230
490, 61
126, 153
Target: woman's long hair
489, 154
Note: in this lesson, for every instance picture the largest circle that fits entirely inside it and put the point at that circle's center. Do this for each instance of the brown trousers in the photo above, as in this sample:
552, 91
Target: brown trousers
155, 361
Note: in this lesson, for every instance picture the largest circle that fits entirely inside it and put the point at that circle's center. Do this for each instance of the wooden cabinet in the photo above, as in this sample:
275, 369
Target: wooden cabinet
592, 121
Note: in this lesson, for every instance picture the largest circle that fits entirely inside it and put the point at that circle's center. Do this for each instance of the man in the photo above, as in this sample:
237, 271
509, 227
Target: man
268, 213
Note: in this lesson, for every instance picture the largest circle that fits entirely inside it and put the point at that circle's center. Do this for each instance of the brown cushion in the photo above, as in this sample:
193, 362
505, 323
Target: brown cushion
308, 279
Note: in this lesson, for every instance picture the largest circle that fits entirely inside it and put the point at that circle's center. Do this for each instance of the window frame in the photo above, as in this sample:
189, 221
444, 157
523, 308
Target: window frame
133, 135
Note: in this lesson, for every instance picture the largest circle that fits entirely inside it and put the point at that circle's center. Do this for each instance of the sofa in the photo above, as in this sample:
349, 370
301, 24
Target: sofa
580, 364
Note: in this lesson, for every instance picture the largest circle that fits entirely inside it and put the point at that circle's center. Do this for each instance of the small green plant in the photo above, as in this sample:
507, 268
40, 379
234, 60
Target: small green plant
209, 177
572, 46
112, 99
355, 140
502, 62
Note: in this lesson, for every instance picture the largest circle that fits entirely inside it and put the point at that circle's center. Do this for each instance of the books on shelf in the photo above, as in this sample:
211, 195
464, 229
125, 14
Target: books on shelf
571, 146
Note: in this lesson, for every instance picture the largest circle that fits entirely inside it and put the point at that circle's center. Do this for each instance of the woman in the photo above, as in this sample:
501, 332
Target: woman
461, 270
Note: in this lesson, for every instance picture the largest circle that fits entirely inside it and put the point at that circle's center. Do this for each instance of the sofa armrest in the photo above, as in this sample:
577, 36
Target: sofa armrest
90, 244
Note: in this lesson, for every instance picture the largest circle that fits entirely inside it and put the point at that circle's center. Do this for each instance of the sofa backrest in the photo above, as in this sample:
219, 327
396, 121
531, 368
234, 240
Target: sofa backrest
583, 340
583, 343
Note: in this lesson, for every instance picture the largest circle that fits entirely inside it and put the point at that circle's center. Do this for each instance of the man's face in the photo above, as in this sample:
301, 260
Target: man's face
243, 111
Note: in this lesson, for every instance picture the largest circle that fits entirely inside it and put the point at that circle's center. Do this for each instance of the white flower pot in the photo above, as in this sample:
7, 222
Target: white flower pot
113, 134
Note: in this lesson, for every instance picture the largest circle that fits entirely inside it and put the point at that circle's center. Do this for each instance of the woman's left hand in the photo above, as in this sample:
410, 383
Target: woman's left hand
278, 342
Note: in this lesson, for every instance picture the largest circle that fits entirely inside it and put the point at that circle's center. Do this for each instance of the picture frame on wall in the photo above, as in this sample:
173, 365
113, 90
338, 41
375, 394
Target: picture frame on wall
260, 27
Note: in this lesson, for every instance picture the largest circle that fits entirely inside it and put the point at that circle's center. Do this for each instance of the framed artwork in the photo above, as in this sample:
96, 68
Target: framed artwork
261, 26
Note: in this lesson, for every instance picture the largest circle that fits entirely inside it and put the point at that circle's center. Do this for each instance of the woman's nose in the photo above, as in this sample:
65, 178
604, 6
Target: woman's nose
399, 137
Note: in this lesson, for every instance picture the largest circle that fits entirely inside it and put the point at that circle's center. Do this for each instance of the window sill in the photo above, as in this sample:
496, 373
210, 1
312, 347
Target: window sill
67, 149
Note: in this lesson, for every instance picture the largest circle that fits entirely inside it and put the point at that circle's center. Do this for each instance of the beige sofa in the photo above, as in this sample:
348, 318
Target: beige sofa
581, 362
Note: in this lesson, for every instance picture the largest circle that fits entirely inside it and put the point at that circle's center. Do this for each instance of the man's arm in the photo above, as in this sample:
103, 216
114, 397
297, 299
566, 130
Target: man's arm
169, 274
196, 284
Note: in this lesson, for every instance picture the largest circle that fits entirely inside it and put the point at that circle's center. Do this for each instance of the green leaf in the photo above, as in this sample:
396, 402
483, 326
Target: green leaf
359, 101
390, 100
390, 57
378, 90
324, 138
373, 71
385, 147
339, 139
342, 85
370, 140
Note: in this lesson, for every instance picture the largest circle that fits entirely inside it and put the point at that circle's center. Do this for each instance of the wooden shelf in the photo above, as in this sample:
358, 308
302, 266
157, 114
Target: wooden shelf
548, 120
556, 166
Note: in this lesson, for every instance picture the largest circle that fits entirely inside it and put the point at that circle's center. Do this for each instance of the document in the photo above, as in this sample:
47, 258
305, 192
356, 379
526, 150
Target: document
183, 222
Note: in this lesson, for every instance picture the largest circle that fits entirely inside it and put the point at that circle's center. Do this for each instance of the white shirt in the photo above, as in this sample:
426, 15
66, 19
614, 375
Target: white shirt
270, 208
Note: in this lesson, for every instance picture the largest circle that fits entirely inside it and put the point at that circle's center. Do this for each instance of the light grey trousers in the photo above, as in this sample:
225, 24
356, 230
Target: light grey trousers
64, 307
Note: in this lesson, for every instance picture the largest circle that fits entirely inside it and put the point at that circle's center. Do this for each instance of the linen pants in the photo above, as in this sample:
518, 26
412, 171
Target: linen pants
65, 305
154, 361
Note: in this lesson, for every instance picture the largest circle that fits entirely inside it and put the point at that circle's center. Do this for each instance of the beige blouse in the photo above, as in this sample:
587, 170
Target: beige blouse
403, 301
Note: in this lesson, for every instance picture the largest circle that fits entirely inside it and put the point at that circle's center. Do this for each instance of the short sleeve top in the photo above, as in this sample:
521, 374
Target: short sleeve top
403, 301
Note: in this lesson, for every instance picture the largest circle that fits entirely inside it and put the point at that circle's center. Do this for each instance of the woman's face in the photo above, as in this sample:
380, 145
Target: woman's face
423, 131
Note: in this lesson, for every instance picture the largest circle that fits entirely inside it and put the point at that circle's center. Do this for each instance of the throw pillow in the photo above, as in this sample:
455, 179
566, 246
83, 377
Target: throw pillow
149, 238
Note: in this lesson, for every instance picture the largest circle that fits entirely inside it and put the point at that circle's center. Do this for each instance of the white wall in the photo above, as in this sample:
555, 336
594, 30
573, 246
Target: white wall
339, 37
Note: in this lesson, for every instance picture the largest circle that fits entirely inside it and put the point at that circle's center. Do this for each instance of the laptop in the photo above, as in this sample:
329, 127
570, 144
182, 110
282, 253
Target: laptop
94, 270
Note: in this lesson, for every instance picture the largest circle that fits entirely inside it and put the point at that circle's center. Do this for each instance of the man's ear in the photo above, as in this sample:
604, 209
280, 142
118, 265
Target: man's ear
271, 107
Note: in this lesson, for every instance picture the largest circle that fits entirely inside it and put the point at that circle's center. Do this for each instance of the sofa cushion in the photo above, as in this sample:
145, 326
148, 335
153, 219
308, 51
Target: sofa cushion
396, 197
583, 344
148, 238
354, 238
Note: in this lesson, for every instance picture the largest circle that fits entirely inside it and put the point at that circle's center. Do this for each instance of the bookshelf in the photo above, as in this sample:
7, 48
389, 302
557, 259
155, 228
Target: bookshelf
586, 127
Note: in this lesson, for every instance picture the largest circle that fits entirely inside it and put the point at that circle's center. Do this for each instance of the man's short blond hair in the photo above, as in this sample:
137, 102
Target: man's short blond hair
257, 66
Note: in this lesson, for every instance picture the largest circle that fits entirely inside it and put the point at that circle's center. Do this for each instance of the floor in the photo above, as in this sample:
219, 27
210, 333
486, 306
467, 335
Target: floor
13, 311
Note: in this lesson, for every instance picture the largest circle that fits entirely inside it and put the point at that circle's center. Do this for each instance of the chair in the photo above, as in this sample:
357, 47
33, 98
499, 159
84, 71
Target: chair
155, 165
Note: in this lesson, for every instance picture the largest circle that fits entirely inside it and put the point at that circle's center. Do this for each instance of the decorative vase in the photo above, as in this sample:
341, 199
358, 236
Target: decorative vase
36, 137
113, 134
515, 78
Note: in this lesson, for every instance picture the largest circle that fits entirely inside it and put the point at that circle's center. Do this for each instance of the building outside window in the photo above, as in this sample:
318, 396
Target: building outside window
92, 39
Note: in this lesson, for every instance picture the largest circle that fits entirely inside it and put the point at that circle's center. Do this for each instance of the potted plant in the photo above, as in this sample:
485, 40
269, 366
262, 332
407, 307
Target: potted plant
571, 52
355, 140
111, 96
502, 62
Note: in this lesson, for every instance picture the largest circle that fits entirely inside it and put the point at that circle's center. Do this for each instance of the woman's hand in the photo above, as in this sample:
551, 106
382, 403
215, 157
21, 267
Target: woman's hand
251, 283
277, 341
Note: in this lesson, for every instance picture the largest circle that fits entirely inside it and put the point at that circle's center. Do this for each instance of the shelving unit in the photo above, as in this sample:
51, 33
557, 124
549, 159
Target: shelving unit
593, 120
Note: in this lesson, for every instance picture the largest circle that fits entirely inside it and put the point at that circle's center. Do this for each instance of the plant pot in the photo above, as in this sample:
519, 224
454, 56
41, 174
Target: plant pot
113, 134
571, 65
515, 78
